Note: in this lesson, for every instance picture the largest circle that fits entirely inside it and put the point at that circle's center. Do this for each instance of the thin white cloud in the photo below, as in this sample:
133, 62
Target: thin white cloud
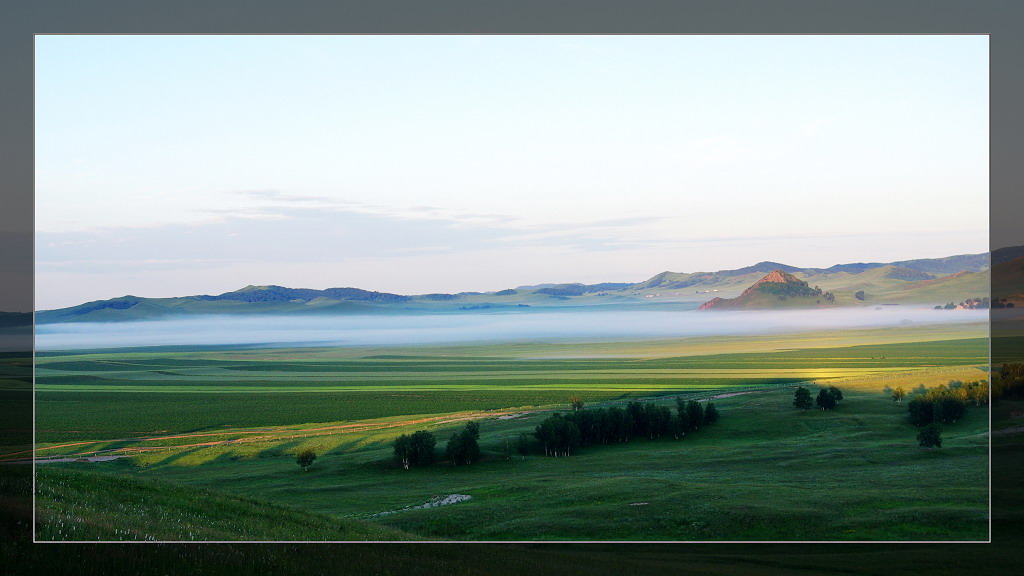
279, 196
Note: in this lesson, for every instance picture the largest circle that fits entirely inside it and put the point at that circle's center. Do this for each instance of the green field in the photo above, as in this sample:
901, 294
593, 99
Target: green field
225, 424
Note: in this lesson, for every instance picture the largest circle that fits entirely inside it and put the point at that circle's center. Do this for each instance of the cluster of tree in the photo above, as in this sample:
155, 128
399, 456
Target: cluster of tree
975, 392
827, 398
415, 450
788, 289
930, 408
563, 434
930, 436
943, 408
970, 304
1008, 381
418, 449
1002, 303
943, 404
828, 296
946, 404
463, 446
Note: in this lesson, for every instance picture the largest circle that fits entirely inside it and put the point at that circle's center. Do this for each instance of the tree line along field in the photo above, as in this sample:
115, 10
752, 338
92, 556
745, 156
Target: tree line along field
764, 471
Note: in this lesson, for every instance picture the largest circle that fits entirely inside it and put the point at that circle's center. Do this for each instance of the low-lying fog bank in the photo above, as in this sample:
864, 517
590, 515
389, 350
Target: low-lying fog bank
469, 327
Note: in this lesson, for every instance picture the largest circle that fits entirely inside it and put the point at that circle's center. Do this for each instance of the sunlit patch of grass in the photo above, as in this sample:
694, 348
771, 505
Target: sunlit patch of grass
930, 378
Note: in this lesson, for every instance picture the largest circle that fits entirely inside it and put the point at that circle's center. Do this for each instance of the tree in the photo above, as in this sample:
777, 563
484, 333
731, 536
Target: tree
415, 450
403, 450
305, 459
859, 295
463, 446
930, 436
619, 424
695, 414
576, 403
422, 448
898, 394
836, 393
455, 448
567, 437
524, 445
665, 421
826, 400
938, 412
953, 407
640, 417
802, 398
682, 418
977, 392
710, 413
920, 410
560, 436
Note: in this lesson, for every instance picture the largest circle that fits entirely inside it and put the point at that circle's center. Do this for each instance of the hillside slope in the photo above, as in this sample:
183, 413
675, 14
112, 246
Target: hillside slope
778, 289
76, 504
927, 281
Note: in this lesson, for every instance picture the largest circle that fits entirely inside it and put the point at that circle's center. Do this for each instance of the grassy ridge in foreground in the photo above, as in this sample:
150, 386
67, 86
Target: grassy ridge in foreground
81, 505
764, 471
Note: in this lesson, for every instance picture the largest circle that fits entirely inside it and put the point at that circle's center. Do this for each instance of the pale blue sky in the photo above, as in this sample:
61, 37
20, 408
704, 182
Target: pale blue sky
175, 165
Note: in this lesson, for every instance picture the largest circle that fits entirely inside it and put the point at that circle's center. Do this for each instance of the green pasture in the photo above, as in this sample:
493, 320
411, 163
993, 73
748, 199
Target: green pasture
226, 424
764, 471
106, 396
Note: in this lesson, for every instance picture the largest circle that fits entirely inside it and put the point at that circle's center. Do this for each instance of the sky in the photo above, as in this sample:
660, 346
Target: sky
178, 165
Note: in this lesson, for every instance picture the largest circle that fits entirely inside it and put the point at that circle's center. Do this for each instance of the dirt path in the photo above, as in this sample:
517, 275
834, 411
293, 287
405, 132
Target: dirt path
87, 459
731, 394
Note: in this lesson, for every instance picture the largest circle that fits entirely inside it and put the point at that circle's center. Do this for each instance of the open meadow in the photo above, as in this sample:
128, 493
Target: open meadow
201, 443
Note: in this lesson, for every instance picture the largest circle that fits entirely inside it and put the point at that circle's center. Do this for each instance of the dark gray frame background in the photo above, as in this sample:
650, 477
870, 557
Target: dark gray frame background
21, 19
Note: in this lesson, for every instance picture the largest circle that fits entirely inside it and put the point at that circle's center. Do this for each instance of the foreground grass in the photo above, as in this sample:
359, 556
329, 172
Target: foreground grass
83, 505
765, 471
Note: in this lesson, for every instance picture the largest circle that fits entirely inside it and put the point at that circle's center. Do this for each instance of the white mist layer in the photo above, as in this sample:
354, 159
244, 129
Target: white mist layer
477, 327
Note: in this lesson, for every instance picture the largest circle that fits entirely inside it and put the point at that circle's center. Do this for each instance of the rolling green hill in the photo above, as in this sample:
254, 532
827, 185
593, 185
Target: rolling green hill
885, 285
934, 281
74, 504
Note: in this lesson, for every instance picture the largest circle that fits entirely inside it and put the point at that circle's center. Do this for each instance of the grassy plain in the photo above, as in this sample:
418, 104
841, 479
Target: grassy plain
226, 424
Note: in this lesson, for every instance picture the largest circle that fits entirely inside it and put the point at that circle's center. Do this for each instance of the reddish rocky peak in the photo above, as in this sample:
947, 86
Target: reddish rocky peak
778, 276
775, 276
710, 303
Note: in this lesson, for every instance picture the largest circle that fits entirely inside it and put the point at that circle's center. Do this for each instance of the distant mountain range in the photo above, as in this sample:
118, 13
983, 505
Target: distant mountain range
927, 281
